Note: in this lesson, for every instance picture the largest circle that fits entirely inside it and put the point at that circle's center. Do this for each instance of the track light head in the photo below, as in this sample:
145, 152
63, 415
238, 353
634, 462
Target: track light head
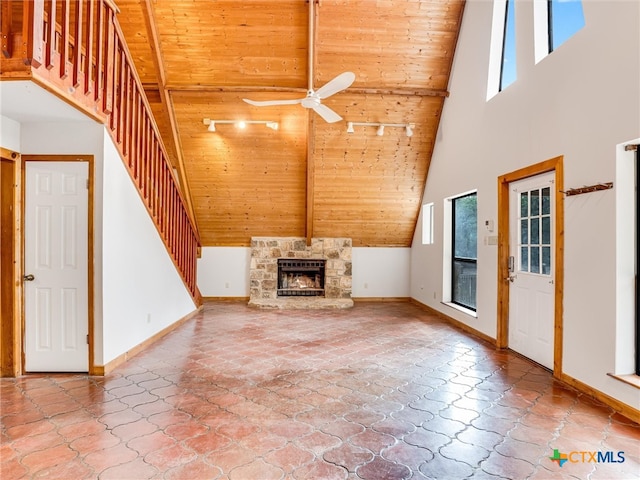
380, 131
212, 126
350, 127
409, 130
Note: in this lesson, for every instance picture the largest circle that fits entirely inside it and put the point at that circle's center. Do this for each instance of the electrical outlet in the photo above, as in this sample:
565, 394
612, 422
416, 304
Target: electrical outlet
148, 318
226, 285
366, 285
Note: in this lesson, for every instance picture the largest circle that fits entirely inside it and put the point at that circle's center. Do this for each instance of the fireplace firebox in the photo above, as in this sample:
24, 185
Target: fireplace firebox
300, 277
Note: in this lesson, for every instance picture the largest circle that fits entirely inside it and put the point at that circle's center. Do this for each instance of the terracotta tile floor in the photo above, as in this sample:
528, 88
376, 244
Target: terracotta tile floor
381, 391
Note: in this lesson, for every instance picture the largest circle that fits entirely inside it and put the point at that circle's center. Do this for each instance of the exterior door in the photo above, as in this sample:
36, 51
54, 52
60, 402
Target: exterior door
532, 268
56, 267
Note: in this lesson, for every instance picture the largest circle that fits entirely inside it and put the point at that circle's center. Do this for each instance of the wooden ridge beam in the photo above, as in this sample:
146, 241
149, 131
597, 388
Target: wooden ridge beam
414, 92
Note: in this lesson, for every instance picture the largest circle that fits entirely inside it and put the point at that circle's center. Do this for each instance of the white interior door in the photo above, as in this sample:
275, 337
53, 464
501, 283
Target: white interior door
56, 267
532, 268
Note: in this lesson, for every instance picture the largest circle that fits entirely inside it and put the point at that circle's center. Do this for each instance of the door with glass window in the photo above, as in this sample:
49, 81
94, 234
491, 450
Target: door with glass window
532, 268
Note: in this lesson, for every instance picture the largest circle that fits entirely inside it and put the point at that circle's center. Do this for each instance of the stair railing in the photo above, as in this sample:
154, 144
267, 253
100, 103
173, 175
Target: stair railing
76, 49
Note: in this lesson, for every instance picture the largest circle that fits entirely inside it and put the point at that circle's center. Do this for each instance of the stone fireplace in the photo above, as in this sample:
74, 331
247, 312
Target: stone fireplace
301, 277
285, 272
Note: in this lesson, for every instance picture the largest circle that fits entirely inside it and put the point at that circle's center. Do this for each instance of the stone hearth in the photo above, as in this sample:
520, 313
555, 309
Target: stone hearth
263, 271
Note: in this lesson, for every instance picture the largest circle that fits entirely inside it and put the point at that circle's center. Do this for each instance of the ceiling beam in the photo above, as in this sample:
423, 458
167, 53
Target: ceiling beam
311, 60
165, 98
417, 92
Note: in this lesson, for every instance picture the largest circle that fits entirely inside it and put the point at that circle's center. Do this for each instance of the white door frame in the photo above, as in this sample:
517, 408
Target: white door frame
502, 337
90, 283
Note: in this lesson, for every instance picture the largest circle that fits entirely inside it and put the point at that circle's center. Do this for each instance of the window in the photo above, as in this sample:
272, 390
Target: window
508, 63
464, 250
535, 231
427, 224
502, 50
555, 21
565, 18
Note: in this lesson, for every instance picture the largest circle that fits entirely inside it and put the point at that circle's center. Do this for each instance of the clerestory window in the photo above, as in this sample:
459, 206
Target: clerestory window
565, 19
502, 52
508, 63
556, 21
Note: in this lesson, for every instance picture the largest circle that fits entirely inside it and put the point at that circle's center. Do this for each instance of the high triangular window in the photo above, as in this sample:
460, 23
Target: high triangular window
565, 18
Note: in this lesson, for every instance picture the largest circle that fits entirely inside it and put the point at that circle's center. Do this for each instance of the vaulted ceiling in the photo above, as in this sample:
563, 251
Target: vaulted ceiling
198, 59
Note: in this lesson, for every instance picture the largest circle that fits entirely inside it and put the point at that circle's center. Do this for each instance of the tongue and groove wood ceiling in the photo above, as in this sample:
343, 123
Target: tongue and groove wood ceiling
199, 58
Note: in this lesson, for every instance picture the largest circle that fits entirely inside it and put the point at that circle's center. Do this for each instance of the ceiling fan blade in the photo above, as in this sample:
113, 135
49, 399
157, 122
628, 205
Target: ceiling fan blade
267, 103
339, 83
326, 113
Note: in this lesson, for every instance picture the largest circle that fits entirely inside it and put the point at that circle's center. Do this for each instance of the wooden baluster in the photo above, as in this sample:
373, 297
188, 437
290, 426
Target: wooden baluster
151, 139
153, 165
167, 213
64, 39
100, 48
115, 106
109, 58
7, 35
122, 99
173, 232
134, 133
131, 134
33, 32
161, 193
169, 231
143, 153
76, 58
149, 157
138, 136
180, 241
51, 56
88, 41
127, 117
165, 199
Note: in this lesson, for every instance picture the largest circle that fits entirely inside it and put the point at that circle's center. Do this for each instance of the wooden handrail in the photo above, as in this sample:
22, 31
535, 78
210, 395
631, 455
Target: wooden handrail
77, 49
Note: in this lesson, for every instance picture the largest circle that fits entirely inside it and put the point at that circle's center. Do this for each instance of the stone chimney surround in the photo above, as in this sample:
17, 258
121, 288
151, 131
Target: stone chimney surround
263, 271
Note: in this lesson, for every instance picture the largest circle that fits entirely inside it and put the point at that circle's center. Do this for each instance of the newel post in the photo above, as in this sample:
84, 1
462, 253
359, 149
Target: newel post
33, 33
7, 36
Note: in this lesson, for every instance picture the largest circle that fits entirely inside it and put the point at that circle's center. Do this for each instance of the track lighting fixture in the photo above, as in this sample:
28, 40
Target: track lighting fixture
409, 130
239, 123
380, 131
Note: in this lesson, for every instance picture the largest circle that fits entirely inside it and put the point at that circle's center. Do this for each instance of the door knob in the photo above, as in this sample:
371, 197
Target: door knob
511, 278
29, 278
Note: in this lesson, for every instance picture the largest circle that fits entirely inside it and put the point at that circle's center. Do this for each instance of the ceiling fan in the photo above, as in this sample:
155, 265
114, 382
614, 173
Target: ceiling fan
314, 98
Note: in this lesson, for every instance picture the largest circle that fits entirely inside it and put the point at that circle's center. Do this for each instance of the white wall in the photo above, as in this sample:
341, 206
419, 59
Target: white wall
580, 102
142, 290
224, 271
138, 291
381, 272
9, 134
385, 271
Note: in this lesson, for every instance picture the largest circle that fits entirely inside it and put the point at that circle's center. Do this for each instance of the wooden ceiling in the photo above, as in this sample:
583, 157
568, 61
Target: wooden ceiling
199, 58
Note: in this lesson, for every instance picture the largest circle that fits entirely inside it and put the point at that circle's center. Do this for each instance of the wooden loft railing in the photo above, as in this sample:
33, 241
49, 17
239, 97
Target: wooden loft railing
76, 49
